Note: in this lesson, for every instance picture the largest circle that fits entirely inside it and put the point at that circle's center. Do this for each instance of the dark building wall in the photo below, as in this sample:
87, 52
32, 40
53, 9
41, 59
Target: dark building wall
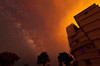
85, 41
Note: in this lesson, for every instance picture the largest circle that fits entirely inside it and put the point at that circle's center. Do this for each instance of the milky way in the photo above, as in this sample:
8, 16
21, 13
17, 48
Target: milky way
28, 27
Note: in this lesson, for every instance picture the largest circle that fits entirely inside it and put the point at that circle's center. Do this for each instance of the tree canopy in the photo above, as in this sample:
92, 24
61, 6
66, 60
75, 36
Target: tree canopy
43, 58
8, 58
64, 58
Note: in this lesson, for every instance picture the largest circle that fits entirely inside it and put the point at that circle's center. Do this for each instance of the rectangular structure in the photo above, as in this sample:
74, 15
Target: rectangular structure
85, 41
89, 22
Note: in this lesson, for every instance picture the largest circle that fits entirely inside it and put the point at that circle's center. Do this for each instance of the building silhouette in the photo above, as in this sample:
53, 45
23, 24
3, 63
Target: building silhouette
85, 40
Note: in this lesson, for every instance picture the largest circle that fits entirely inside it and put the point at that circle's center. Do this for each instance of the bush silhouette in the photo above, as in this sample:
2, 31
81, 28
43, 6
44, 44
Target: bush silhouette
8, 58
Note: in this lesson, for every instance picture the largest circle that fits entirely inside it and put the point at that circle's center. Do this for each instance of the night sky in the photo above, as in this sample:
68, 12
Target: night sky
29, 27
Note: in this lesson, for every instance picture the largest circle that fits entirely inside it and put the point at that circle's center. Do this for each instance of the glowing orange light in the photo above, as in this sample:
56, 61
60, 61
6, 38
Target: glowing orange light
83, 4
69, 16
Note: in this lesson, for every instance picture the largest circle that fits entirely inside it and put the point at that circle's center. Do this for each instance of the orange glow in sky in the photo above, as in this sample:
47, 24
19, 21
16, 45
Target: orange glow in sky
77, 7
34, 26
82, 5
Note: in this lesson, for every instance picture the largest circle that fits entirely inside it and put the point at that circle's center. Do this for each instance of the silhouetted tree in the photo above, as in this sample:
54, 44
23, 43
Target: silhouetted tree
26, 65
64, 58
8, 58
60, 59
43, 58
